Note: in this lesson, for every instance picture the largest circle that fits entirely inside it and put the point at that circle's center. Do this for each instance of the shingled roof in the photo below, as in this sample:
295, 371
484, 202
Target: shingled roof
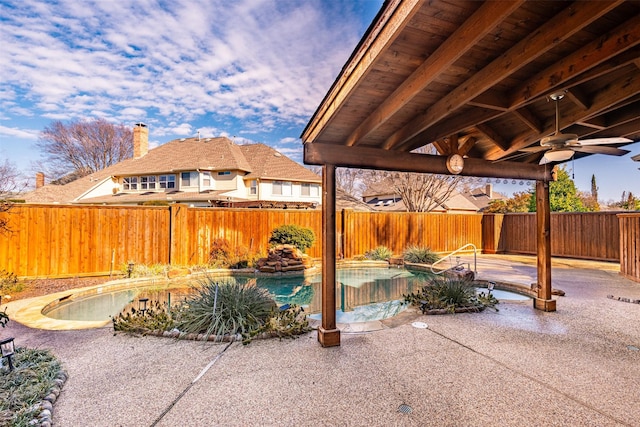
186, 154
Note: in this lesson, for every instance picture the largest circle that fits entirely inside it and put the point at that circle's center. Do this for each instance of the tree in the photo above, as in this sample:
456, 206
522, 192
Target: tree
563, 195
10, 186
420, 192
84, 147
629, 202
519, 202
594, 188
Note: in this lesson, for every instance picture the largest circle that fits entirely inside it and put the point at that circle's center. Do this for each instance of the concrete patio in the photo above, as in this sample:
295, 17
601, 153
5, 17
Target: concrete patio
517, 366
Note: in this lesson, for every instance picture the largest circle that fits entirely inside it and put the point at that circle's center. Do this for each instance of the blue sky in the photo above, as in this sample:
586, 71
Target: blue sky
254, 70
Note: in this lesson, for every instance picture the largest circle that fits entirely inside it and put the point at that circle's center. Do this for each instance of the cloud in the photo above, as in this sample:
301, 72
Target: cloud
31, 134
262, 61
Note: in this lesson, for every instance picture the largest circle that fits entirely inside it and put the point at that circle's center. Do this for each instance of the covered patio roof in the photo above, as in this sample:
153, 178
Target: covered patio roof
476, 79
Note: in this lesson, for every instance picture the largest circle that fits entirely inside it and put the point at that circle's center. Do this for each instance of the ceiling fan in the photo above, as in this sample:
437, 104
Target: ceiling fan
561, 146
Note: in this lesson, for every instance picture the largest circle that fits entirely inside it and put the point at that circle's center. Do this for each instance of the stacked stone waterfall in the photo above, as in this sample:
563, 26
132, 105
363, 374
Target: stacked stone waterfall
283, 258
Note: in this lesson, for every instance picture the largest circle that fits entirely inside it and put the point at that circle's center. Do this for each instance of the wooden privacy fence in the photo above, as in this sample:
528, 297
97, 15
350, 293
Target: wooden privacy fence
630, 245
62, 241
588, 235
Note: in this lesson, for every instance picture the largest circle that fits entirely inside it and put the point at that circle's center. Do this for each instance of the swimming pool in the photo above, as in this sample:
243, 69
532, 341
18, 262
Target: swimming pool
362, 294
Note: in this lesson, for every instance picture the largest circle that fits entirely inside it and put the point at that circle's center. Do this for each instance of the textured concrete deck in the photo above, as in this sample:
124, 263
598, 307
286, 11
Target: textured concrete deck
518, 366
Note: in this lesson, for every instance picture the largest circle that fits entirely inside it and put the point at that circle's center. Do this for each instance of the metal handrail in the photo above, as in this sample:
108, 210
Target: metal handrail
458, 263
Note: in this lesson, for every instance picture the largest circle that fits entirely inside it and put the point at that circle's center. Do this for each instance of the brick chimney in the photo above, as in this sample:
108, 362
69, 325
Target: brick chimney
489, 190
140, 140
39, 180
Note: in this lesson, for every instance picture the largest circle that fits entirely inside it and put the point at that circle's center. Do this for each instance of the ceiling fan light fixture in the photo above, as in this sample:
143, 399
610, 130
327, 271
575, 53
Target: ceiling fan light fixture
558, 155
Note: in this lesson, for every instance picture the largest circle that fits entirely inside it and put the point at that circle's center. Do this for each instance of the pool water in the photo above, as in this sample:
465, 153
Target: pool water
362, 294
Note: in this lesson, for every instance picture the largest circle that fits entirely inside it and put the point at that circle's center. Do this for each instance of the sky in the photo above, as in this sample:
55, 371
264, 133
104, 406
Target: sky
252, 70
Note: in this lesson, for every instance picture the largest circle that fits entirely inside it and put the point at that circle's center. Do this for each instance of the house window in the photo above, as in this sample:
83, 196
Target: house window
167, 181
224, 173
253, 187
281, 188
147, 182
311, 190
189, 179
206, 179
130, 183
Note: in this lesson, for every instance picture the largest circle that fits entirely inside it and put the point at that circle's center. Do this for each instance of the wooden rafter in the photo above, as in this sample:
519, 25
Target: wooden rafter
477, 26
562, 26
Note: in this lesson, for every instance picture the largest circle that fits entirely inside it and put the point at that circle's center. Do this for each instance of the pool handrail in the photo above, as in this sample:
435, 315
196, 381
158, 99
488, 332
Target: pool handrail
458, 263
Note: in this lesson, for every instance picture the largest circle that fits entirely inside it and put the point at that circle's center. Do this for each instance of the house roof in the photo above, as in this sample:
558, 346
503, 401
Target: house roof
187, 154
474, 78
267, 163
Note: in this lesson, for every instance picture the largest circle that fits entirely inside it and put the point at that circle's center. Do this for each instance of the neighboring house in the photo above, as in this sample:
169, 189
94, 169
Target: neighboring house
196, 171
481, 197
382, 198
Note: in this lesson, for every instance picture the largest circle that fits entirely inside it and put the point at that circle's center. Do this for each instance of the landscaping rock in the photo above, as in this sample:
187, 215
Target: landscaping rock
283, 258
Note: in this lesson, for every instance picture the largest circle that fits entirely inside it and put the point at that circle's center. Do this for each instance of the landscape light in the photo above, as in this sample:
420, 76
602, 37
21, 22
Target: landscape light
8, 349
142, 305
130, 268
490, 286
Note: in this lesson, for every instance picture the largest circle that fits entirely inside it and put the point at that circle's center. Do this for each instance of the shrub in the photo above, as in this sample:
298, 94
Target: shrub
222, 255
8, 281
155, 318
291, 234
284, 323
381, 253
420, 254
239, 308
450, 293
143, 270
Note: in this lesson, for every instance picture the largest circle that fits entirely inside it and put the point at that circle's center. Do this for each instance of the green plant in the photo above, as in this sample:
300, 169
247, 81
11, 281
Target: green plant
420, 254
155, 318
291, 234
283, 323
34, 375
450, 293
222, 308
380, 253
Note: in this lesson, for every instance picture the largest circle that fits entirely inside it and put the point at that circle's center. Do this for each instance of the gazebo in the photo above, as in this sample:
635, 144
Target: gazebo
503, 89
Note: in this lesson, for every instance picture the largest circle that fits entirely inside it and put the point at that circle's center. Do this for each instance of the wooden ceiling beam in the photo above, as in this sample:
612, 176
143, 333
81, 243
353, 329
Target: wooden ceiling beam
603, 48
482, 22
379, 159
441, 147
467, 144
617, 92
578, 97
565, 24
493, 135
491, 99
398, 15
450, 126
530, 119
598, 123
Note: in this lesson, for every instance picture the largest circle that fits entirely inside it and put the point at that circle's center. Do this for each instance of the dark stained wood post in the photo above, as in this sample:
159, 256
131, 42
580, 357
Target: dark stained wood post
544, 300
328, 333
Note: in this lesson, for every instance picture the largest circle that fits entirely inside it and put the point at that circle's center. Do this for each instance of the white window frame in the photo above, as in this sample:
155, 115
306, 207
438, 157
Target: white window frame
167, 181
308, 189
253, 187
130, 183
207, 180
148, 182
281, 188
192, 180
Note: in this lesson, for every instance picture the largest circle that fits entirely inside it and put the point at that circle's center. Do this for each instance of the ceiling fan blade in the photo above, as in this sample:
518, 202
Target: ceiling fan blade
612, 151
597, 141
534, 149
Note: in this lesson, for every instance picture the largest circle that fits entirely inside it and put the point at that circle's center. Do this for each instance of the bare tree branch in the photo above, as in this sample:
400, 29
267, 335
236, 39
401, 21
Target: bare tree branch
84, 146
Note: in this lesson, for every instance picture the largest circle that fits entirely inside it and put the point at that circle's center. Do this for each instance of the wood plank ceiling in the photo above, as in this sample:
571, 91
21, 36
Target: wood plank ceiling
474, 78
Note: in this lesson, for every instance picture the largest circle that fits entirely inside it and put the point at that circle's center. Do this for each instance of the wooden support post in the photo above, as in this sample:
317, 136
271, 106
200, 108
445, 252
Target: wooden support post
544, 300
328, 333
